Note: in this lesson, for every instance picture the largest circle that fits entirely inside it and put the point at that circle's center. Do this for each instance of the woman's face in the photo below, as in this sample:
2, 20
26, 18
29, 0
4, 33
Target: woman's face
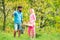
31, 11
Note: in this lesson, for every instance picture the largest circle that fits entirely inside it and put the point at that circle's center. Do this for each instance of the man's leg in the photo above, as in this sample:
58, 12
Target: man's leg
19, 30
18, 33
14, 33
15, 29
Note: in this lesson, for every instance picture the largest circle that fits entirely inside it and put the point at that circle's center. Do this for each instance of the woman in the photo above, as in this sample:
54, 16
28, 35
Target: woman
31, 26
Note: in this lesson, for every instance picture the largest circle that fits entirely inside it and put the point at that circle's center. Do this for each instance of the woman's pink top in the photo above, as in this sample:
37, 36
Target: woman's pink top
32, 19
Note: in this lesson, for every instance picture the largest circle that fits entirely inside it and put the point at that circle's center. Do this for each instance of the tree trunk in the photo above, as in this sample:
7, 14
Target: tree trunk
3, 4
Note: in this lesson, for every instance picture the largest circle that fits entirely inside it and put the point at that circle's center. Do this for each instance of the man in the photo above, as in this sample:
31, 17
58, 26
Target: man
18, 21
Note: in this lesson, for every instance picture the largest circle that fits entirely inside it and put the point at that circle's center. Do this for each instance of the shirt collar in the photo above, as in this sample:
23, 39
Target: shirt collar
18, 11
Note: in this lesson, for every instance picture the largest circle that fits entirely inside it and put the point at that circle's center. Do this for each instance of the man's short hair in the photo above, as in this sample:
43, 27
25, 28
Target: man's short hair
19, 6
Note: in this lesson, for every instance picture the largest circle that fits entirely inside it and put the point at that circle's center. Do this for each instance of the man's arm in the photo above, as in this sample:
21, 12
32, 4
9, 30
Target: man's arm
22, 18
14, 13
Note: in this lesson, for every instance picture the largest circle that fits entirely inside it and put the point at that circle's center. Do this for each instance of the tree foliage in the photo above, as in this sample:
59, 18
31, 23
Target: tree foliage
47, 11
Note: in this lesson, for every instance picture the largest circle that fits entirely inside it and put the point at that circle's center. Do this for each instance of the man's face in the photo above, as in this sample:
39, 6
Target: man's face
20, 9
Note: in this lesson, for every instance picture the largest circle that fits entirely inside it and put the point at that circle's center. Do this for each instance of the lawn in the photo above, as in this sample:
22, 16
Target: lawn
40, 36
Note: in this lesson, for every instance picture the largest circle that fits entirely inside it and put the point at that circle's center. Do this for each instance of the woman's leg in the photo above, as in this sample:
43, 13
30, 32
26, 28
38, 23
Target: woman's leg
29, 30
33, 31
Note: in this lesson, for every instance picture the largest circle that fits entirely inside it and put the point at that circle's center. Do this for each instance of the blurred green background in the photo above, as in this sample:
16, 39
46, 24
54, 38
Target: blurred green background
47, 15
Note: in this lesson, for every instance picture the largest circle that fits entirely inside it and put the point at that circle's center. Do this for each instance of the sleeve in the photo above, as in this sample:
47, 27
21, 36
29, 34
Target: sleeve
22, 17
14, 13
34, 16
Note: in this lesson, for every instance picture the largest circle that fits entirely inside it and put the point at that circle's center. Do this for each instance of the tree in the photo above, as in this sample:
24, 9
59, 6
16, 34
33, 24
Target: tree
46, 11
3, 5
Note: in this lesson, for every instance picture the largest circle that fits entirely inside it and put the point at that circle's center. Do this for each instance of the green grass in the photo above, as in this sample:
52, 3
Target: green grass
44, 34
41, 35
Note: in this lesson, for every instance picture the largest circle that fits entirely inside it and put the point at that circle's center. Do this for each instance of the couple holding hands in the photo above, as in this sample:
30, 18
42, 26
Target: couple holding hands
18, 16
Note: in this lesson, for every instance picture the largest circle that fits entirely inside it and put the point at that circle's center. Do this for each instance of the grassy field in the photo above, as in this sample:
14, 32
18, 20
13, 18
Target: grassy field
41, 35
